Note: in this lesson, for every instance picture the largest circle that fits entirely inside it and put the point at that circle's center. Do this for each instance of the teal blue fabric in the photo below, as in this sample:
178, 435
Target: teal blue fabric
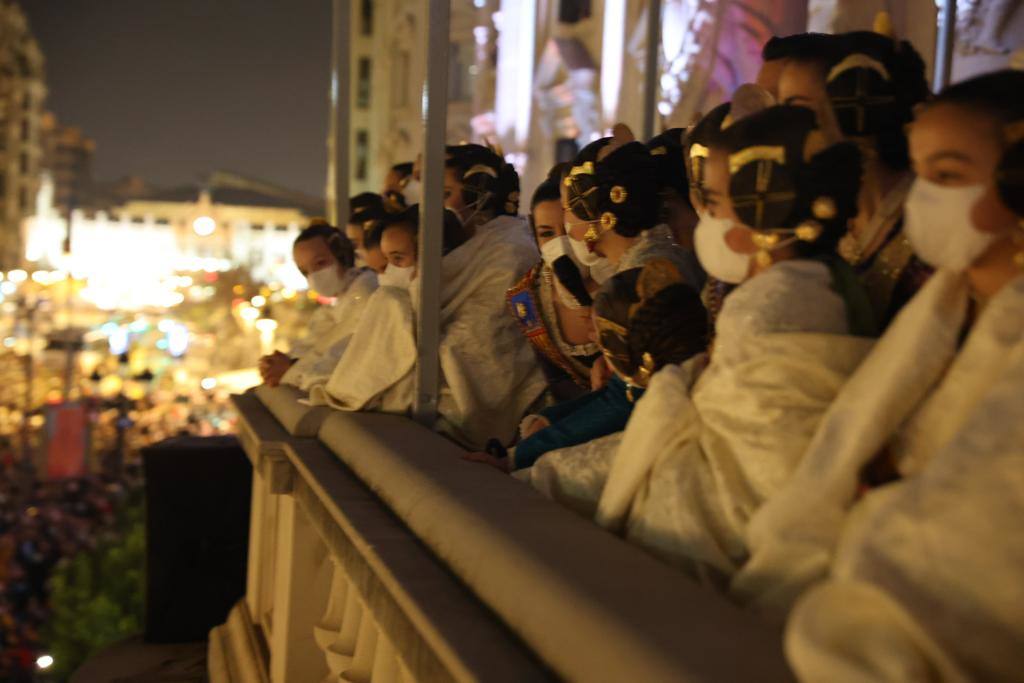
584, 419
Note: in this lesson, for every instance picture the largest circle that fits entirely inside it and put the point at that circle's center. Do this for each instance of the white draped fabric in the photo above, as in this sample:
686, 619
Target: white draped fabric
489, 373
703, 450
574, 476
932, 562
331, 327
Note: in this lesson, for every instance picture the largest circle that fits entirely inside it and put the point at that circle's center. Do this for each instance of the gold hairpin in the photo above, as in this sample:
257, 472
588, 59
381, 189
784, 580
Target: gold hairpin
586, 168
773, 153
481, 168
858, 60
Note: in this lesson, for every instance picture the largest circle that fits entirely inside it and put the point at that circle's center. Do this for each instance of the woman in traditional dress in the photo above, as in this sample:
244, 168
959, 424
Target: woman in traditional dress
705, 447
863, 87
612, 208
644, 319
327, 258
489, 373
552, 301
910, 497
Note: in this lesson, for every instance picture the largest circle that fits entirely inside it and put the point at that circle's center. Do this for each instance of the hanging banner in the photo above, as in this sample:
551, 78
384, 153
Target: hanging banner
67, 440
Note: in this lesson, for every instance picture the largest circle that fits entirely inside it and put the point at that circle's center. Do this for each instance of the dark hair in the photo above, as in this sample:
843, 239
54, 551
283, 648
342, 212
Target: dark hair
365, 206
669, 325
892, 98
998, 93
403, 169
547, 191
707, 133
797, 45
622, 190
499, 183
453, 234
822, 188
670, 167
341, 246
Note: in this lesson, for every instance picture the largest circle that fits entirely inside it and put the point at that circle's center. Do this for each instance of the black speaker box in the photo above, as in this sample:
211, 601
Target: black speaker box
197, 535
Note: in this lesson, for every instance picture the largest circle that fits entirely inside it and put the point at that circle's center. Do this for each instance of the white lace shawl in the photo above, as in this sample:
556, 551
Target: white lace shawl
792, 538
489, 372
331, 332
925, 580
700, 455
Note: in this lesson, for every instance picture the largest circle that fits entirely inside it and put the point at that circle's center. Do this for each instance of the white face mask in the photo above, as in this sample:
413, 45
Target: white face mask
714, 254
583, 253
938, 224
413, 192
556, 248
396, 276
326, 281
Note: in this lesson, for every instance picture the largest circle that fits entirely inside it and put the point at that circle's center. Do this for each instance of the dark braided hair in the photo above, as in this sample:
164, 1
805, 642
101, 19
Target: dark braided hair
622, 190
822, 188
892, 99
661, 328
500, 183
671, 326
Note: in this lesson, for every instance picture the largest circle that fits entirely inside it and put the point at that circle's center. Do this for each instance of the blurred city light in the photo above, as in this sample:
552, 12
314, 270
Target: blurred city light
204, 226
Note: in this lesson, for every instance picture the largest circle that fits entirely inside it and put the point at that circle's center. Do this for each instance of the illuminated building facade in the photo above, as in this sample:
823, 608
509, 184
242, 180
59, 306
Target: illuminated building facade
544, 78
387, 72
228, 222
22, 91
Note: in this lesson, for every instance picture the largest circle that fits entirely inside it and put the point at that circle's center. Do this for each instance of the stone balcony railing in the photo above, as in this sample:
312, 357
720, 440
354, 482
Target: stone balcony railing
377, 554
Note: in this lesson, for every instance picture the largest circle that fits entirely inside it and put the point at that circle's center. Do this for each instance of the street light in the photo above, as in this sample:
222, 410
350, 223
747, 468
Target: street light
204, 226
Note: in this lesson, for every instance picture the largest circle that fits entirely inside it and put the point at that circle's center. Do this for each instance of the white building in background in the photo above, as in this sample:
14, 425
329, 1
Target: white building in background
228, 222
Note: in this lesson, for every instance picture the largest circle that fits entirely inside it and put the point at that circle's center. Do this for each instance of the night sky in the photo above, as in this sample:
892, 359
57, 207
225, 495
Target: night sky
173, 89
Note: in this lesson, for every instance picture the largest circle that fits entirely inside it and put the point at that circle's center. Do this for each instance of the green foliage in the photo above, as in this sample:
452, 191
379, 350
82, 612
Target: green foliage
96, 596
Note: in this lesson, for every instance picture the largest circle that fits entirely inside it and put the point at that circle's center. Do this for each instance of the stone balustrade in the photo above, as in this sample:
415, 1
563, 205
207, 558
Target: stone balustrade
378, 555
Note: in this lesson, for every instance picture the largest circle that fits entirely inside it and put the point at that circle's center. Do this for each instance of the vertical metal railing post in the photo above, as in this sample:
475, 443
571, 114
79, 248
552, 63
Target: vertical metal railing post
341, 115
435, 123
944, 45
651, 67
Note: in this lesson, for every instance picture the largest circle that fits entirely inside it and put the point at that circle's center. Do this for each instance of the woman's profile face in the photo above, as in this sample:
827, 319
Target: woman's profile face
453, 191
802, 84
547, 221
398, 244
955, 146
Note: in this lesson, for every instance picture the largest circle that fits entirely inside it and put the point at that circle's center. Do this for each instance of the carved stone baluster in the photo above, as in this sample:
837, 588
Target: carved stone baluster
326, 631
366, 645
300, 590
385, 662
340, 652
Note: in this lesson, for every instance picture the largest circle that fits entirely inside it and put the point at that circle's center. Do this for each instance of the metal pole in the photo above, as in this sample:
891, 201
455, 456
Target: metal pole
435, 115
651, 67
341, 115
944, 46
